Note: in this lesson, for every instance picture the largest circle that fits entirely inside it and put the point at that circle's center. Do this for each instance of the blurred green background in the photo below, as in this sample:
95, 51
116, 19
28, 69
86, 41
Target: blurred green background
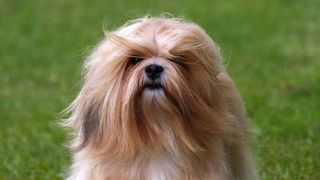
271, 48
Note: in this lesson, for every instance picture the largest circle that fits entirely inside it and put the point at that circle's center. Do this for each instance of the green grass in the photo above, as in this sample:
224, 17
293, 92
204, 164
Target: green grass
272, 49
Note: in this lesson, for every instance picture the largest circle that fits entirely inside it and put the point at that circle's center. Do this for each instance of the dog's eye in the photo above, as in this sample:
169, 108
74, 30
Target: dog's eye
135, 60
177, 60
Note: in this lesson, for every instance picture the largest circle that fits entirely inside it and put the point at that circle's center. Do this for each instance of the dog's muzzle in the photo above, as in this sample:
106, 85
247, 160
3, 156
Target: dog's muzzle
153, 73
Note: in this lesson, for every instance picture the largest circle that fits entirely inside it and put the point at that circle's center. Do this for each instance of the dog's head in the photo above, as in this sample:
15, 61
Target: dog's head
150, 77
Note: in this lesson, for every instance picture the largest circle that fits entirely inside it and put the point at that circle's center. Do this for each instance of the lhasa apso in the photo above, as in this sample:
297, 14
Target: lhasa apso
157, 104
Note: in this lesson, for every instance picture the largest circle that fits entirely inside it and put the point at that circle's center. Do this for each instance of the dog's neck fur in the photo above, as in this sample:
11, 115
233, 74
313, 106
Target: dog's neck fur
162, 165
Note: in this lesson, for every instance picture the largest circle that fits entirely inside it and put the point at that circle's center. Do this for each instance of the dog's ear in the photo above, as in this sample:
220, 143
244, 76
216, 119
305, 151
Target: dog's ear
231, 95
238, 154
90, 126
84, 120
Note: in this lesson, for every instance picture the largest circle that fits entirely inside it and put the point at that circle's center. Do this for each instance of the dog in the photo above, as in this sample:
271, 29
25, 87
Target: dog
157, 104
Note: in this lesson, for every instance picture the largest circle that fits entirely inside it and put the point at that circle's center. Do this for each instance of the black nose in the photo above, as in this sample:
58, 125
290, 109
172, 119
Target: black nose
153, 71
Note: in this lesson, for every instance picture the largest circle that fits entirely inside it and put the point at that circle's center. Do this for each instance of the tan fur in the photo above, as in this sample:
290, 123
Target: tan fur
192, 128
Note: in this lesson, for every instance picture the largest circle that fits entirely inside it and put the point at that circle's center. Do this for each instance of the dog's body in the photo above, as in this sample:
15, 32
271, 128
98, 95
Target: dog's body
156, 104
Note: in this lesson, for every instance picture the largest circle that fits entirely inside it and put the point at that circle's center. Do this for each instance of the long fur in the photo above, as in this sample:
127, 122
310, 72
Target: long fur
192, 128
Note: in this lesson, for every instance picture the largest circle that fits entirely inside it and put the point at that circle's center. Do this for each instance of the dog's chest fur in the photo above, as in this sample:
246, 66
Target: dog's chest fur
161, 168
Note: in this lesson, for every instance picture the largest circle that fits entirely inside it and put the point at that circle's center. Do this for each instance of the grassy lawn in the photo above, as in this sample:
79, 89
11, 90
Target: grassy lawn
271, 48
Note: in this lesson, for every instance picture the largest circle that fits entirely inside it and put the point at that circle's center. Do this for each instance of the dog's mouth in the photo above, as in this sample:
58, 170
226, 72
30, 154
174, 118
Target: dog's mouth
153, 86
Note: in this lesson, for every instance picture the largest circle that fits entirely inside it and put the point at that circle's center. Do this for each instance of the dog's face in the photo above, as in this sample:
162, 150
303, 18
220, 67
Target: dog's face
151, 76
